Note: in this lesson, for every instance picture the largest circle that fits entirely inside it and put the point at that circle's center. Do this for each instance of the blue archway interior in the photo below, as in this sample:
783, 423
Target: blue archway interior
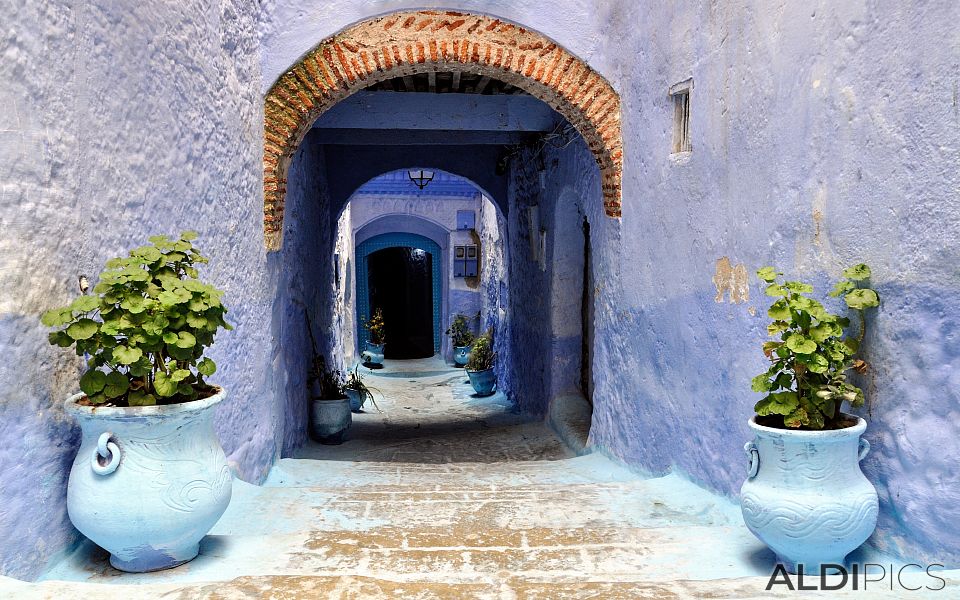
395, 240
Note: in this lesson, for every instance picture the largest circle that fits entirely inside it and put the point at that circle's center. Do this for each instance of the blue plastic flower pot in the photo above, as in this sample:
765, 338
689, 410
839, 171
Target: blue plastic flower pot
373, 355
356, 400
483, 382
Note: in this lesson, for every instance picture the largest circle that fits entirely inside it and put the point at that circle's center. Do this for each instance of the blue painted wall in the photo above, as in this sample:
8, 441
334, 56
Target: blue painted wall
820, 138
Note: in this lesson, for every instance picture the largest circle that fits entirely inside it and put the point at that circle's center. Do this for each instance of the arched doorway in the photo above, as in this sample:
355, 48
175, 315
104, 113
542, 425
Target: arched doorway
395, 282
407, 43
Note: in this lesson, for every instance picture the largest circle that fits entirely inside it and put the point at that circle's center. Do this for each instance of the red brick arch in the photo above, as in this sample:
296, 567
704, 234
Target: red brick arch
408, 43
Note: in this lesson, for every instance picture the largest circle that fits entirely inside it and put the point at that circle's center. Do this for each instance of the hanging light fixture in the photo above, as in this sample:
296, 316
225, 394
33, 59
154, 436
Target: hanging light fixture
420, 177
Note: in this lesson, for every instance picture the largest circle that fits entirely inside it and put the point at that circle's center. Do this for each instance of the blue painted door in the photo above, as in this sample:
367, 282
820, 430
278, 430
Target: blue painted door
395, 240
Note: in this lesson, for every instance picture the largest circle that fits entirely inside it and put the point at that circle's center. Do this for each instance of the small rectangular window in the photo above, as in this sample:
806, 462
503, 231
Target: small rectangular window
680, 93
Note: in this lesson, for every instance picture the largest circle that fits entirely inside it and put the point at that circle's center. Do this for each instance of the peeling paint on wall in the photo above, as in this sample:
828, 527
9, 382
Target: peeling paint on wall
732, 280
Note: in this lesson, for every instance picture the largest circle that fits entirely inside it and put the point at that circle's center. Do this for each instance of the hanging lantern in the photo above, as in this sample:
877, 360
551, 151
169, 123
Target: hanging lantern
420, 177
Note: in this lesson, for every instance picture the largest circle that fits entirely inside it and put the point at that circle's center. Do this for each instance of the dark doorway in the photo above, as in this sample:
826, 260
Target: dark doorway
401, 284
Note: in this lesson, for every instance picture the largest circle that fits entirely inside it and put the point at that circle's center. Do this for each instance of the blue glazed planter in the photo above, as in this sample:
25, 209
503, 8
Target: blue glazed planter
461, 355
805, 496
330, 419
373, 354
483, 382
148, 481
356, 403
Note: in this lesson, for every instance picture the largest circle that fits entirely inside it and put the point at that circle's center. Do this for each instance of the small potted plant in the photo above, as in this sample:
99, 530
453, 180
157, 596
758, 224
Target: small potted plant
150, 478
805, 495
480, 366
330, 415
358, 391
373, 355
461, 337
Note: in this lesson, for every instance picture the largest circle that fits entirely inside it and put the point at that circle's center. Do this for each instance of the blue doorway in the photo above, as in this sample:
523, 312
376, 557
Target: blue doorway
396, 240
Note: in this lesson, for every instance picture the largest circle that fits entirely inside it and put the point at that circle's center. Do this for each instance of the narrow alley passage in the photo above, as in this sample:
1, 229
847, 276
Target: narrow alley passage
446, 495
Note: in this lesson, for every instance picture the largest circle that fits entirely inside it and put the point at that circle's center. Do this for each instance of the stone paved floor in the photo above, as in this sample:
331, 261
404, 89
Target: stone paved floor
444, 495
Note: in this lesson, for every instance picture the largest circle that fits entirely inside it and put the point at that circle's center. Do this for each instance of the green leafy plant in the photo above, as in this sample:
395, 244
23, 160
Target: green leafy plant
459, 331
356, 384
377, 328
482, 356
807, 379
145, 327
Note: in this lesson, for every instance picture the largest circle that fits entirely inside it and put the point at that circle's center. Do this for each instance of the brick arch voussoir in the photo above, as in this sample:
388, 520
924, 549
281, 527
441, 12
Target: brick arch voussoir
409, 43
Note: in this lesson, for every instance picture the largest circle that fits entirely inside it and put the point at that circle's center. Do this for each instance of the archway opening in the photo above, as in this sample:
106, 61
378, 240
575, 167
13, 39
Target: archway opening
544, 177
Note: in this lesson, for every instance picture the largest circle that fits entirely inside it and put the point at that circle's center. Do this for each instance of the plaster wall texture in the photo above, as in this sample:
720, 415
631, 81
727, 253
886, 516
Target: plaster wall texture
118, 121
306, 288
547, 280
823, 135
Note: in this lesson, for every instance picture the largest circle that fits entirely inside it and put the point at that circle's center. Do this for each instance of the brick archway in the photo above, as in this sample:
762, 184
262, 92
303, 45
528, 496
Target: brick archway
407, 43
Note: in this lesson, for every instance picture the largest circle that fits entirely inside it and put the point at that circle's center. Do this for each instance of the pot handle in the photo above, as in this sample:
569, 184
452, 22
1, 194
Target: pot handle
754, 455
863, 450
105, 449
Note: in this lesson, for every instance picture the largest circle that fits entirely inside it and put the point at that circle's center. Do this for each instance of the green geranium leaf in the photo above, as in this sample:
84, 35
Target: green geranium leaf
823, 331
207, 367
126, 355
862, 298
801, 344
842, 287
85, 304
796, 418
164, 385
92, 382
139, 398
135, 304
180, 374
775, 290
779, 403
760, 383
817, 363
116, 385
60, 338
857, 272
798, 287
196, 321
56, 317
170, 337
777, 327
779, 311
174, 297
767, 274
186, 340
188, 236
83, 329
97, 399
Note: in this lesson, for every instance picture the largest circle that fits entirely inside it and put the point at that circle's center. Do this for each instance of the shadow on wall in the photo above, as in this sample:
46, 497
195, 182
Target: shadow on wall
40, 442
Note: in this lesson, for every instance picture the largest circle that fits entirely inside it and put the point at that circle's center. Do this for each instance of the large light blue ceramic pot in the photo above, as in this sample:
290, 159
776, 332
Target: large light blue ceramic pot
330, 419
148, 481
483, 382
461, 355
373, 355
805, 496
